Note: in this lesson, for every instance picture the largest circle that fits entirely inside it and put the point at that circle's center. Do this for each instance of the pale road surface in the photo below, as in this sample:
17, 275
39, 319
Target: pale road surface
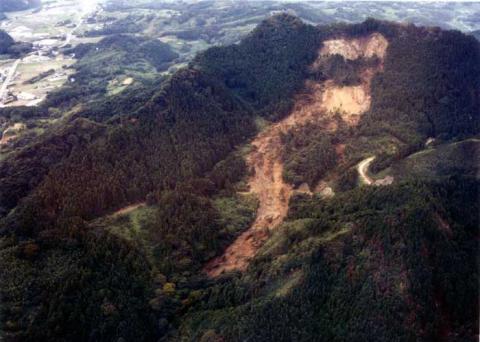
362, 168
70, 34
11, 72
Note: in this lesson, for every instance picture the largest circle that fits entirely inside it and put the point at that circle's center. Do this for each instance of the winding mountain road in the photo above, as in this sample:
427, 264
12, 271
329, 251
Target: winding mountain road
362, 169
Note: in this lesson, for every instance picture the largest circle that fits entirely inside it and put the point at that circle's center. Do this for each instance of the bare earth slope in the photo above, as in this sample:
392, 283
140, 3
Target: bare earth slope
318, 103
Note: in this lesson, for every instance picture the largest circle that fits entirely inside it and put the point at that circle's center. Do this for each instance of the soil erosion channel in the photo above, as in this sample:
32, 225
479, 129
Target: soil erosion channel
317, 103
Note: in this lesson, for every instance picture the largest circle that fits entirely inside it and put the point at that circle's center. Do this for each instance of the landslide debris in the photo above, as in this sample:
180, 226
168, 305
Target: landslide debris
318, 103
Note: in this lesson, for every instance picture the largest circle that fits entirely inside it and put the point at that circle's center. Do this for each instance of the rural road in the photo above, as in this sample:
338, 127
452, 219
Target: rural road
362, 168
11, 72
70, 34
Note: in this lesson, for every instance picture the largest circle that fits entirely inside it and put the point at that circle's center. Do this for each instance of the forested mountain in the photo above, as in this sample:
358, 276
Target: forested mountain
108, 219
6, 41
476, 34
9, 47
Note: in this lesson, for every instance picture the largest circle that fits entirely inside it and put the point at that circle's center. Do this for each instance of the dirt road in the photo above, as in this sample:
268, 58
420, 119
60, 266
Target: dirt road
8, 79
362, 169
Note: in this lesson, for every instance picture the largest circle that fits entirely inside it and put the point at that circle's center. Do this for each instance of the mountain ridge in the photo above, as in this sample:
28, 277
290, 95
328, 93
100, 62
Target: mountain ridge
186, 157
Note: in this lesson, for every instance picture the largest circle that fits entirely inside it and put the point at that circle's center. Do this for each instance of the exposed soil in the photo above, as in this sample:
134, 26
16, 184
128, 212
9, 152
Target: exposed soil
273, 195
6, 139
127, 209
318, 103
350, 101
373, 45
11, 133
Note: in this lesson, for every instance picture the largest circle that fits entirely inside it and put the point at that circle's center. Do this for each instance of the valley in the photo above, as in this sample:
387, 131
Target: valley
50, 29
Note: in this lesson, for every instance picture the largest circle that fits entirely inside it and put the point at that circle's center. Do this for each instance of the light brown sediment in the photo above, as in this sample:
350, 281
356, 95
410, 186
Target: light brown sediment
318, 103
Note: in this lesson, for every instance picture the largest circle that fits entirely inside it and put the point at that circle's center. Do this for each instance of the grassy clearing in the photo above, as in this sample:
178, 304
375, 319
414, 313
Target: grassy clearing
261, 123
139, 226
236, 213
289, 284
131, 226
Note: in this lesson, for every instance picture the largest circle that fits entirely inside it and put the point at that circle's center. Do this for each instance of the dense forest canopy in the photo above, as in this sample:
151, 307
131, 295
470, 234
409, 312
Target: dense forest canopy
10, 48
6, 41
476, 34
372, 263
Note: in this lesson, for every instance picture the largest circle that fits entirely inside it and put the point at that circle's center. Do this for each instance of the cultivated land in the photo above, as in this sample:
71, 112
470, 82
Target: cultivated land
56, 25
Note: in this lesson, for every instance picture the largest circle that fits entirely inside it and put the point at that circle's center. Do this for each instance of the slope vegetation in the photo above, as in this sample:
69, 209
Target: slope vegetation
317, 104
374, 263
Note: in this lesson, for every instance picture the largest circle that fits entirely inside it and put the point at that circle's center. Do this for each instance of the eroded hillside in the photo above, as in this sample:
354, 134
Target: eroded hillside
319, 102
401, 256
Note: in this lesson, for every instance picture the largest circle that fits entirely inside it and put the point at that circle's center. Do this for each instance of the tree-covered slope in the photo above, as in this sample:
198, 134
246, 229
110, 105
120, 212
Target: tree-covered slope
385, 264
390, 263
6, 41
11, 48
476, 34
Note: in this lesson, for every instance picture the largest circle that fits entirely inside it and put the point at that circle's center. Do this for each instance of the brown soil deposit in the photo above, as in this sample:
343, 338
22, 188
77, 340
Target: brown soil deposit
317, 103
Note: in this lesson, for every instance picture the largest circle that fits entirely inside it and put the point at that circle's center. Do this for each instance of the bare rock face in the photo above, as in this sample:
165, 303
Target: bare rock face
374, 45
384, 181
352, 101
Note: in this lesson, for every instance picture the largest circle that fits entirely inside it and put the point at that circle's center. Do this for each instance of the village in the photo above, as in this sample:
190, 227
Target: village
26, 81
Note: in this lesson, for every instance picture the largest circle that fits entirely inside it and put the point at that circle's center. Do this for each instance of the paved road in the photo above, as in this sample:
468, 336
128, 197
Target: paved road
11, 73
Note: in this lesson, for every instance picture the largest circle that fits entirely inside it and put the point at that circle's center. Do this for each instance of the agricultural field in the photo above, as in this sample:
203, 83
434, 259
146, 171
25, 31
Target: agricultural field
50, 29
